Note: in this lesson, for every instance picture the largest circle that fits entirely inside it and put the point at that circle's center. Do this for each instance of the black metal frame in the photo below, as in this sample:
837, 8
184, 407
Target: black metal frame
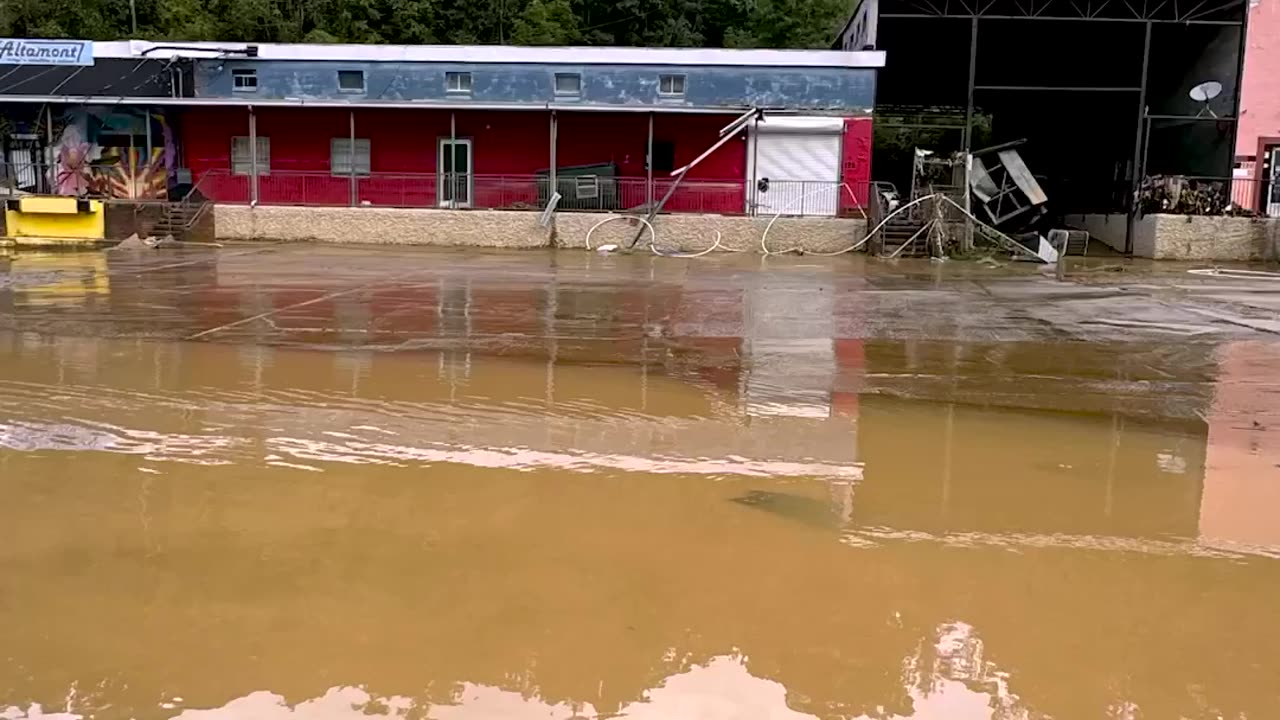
1147, 12
1215, 12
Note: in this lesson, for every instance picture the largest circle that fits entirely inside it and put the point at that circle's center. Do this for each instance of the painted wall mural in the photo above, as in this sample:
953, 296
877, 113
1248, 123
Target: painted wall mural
126, 153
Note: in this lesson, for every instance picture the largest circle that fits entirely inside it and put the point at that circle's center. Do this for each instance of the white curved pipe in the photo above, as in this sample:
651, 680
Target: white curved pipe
1238, 274
764, 248
653, 236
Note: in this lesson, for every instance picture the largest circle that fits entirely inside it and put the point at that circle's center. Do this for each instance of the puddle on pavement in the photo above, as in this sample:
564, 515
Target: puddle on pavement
732, 527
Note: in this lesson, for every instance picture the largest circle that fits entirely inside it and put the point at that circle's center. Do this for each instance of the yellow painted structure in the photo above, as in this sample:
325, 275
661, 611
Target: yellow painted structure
54, 218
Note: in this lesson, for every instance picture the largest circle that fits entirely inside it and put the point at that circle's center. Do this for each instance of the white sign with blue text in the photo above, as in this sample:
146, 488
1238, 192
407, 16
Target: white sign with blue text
45, 52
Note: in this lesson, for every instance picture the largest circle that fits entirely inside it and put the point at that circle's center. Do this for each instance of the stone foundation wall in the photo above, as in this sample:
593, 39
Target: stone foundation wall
385, 226
520, 229
693, 233
1188, 237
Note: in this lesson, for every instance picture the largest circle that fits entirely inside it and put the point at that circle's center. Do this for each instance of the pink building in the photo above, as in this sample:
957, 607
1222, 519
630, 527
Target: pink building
1258, 140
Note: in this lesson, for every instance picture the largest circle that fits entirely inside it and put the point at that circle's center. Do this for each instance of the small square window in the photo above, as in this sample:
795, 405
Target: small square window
457, 82
244, 80
671, 85
568, 84
341, 157
586, 187
351, 80
242, 160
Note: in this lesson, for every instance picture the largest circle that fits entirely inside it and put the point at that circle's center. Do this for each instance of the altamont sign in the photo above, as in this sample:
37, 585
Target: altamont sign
45, 52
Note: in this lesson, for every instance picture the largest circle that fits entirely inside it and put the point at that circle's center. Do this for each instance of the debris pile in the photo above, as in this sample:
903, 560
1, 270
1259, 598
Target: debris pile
1180, 195
151, 242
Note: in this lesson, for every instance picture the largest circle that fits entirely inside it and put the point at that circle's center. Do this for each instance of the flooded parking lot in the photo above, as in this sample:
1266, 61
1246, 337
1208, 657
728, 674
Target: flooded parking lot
325, 482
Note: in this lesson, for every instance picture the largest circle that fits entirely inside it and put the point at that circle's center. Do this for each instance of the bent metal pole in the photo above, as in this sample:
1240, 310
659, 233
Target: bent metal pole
729, 132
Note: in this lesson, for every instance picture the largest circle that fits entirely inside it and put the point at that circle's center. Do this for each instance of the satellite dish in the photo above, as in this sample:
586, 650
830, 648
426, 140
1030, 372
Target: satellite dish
1204, 93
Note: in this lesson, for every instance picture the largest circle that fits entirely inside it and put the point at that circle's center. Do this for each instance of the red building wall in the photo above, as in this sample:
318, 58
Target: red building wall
509, 147
855, 166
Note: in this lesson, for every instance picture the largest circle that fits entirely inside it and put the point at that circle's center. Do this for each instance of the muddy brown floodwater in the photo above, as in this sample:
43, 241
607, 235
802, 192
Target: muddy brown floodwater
309, 482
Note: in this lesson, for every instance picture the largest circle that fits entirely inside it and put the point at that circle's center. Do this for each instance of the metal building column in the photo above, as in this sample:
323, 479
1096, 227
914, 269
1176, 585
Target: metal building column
451, 176
351, 157
753, 191
253, 157
150, 141
552, 185
49, 157
648, 167
1136, 183
973, 72
1235, 111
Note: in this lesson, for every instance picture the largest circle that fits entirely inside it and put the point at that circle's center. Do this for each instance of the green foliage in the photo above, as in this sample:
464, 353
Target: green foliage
655, 23
546, 23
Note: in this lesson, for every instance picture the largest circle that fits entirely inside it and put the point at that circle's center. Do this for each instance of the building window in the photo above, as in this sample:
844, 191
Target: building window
244, 80
671, 85
242, 163
457, 82
586, 187
351, 80
340, 157
568, 84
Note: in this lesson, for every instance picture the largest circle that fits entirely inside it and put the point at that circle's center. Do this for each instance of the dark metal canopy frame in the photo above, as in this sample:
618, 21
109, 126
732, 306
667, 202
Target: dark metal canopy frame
1070, 13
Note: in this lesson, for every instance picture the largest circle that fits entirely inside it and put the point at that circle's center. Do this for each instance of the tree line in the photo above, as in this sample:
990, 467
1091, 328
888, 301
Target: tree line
653, 23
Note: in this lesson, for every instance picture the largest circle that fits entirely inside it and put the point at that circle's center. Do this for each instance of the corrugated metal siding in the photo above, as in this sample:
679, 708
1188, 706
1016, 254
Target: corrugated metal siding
802, 173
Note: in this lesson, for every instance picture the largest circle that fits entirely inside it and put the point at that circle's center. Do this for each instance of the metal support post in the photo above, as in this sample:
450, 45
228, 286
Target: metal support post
351, 157
973, 73
452, 176
146, 115
552, 185
50, 153
1235, 110
253, 157
753, 192
648, 166
1135, 182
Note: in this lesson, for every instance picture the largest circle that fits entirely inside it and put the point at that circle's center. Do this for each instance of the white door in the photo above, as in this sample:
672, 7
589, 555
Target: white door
453, 173
796, 166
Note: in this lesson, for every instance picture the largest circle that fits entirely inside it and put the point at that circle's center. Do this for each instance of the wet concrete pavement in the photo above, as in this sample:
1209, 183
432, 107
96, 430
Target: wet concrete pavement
299, 481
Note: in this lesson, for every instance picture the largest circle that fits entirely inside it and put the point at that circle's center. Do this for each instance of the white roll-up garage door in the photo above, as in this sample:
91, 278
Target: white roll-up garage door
797, 165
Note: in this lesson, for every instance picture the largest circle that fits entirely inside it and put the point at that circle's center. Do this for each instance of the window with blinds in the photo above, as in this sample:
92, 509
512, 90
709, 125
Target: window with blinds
341, 156
242, 162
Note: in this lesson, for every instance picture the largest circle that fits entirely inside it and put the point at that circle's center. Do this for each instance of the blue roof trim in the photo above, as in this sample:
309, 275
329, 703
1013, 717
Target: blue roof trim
833, 89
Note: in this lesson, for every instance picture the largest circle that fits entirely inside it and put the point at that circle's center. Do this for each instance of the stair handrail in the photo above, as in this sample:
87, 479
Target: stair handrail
878, 211
185, 202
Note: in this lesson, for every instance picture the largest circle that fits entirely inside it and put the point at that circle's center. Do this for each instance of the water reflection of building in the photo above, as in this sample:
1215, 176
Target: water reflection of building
1242, 467
46, 279
1002, 472
569, 589
721, 688
734, 342
1065, 543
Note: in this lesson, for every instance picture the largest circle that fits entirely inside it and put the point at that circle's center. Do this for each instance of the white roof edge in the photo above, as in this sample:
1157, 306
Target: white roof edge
401, 105
498, 54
